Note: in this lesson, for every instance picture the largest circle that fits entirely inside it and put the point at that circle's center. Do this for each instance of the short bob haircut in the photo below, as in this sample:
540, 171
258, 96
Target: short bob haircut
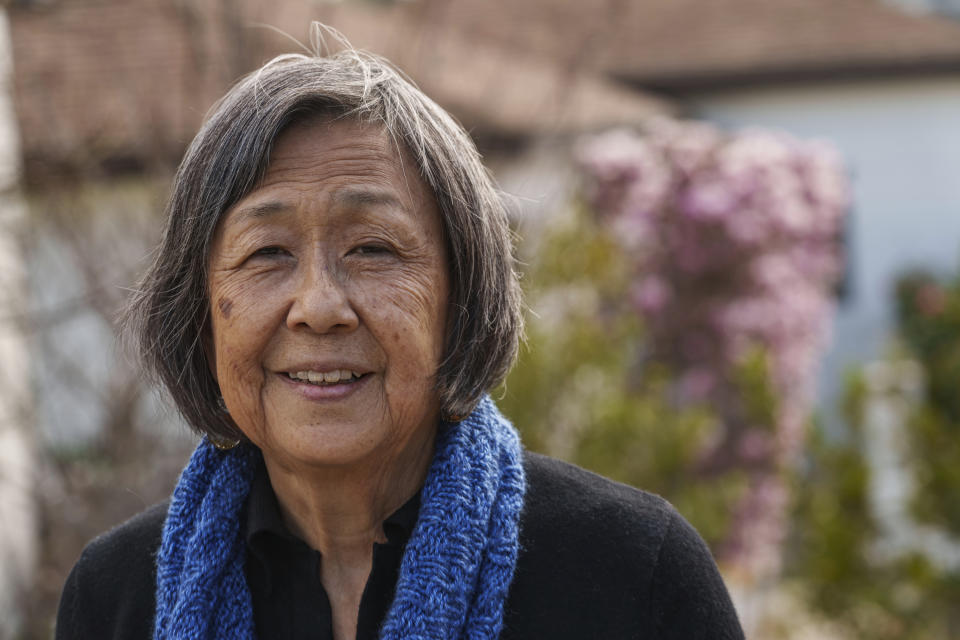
168, 315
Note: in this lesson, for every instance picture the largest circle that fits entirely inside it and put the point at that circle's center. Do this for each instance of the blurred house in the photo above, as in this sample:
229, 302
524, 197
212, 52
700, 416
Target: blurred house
119, 87
122, 85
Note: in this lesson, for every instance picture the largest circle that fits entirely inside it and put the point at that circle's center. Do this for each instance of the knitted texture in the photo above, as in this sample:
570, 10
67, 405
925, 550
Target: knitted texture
456, 569
201, 588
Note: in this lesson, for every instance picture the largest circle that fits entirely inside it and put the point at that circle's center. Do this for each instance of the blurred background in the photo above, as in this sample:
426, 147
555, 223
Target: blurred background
739, 226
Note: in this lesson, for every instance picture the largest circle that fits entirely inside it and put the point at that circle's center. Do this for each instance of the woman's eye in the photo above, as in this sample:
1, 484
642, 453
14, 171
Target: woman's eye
370, 249
270, 251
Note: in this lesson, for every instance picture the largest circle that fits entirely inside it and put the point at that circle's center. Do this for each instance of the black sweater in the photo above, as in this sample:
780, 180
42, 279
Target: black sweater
598, 559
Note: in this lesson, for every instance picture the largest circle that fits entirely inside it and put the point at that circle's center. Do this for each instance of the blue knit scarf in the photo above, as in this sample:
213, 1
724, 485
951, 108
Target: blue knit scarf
456, 568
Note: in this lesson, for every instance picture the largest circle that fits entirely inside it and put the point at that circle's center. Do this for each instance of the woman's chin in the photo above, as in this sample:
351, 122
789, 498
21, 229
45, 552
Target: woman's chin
321, 446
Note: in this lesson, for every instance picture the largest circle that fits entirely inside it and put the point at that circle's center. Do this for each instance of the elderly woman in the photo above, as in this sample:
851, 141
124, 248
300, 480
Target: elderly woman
332, 300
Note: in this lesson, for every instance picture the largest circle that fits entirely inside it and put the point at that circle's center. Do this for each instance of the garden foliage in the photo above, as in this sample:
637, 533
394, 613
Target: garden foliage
677, 318
929, 319
911, 595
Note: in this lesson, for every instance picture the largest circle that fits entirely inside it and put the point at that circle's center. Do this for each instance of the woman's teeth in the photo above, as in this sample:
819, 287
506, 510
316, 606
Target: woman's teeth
329, 377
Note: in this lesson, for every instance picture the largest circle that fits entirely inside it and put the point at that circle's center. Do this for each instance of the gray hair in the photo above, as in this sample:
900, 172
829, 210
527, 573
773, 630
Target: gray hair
170, 311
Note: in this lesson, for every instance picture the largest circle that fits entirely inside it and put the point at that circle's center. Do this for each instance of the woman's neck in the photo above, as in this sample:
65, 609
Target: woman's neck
340, 510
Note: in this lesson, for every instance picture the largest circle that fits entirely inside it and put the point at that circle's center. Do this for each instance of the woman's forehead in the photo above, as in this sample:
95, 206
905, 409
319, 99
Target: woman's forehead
317, 137
346, 163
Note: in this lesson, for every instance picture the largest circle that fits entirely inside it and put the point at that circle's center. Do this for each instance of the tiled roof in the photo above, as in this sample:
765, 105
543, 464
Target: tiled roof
106, 81
744, 40
487, 86
677, 43
126, 82
98, 79
660, 45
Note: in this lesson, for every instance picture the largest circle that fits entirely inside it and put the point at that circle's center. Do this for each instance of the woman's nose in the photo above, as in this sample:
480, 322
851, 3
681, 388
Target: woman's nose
321, 302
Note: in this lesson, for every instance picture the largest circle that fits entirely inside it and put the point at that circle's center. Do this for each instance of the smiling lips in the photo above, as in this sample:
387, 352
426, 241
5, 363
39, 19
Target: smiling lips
336, 376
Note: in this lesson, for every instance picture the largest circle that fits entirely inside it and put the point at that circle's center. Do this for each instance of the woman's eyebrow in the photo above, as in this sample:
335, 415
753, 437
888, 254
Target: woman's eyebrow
360, 198
349, 198
258, 211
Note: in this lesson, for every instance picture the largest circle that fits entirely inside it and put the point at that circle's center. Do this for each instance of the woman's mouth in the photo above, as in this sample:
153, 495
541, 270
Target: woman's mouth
326, 378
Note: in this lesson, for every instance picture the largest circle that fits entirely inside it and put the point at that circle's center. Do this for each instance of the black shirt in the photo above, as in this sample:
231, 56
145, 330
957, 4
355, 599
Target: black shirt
283, 572
597, 559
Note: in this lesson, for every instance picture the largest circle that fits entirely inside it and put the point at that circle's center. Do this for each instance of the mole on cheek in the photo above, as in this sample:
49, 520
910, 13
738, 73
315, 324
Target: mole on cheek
226, 305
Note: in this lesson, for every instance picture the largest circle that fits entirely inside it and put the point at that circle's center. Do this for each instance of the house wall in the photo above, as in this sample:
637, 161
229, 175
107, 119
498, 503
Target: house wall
902, 141
18, 513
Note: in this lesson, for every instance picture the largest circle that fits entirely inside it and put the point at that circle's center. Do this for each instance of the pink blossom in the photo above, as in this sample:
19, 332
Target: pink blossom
756, 445
651, 294
697, 384
688, 146
734, 238
708, 197
627, 175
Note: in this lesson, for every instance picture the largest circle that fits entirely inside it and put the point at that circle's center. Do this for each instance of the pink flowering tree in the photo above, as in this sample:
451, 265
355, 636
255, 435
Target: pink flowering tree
732, 243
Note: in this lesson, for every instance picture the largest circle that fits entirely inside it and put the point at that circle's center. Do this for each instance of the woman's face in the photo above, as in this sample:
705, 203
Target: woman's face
328, 294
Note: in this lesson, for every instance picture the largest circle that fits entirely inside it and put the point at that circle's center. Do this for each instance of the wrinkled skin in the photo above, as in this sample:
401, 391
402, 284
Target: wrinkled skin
336, 260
